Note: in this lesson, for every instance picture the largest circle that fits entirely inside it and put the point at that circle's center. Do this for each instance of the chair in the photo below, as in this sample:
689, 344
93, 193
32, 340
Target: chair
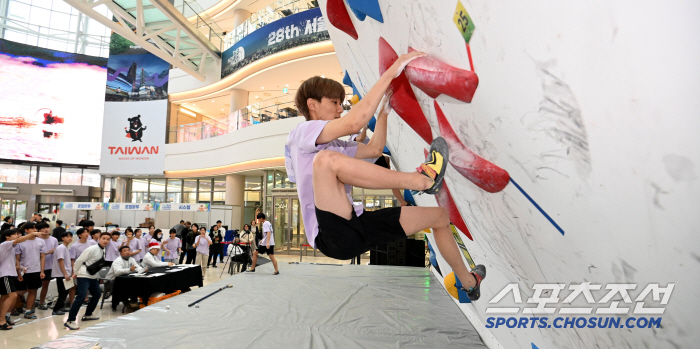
106, 282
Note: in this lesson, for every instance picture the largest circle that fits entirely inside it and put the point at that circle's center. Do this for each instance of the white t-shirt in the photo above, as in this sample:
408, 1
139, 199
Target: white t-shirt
267, 232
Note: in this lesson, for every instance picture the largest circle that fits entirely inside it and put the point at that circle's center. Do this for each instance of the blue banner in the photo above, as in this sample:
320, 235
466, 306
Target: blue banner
298, 29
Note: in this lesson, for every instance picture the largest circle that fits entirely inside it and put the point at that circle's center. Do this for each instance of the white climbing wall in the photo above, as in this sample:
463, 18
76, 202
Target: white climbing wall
593, 109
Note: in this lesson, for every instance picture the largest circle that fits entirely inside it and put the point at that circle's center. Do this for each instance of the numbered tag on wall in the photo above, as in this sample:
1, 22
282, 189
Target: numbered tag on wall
464, 22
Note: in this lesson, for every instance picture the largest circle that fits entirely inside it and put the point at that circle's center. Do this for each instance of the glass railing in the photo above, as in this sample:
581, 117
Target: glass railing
272, 109
203, 22
275, 11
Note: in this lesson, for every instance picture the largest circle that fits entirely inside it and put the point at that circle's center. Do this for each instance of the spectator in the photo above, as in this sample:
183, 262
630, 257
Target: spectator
179, 228
51, 245
267, 245
8, 222
157, 237
172, 247
36, 218
92, 257
59, 230
133, 243
62, 271
150, 234
112, 250
123, 265
191, 237
222, 232
216, 241
95, 234
30, 255
144, 244
9, 239
89, 226
201, 244
152, 260
76, 250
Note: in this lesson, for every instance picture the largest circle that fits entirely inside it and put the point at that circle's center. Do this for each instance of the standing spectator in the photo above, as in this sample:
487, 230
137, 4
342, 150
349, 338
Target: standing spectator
191, 237
92, 257
222, 232
59, 230
9, 239
201, 244
267, 245
256, 230
62, 271
179, 228
152, 258
157, 237
183, 238
82, 220
75, 251
7, 223
36, 218
150, 234
30, 256
246, 240
51, 244
89, 226
216, 241
112, 250
95, 234
133, 243
144, 244
172, 247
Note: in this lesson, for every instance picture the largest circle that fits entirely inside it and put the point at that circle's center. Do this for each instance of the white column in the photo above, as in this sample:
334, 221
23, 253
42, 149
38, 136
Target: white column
235, 196
120, 189
239, 16
238, 100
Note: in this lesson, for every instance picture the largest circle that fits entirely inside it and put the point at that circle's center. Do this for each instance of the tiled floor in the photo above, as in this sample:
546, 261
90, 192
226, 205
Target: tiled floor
47, 327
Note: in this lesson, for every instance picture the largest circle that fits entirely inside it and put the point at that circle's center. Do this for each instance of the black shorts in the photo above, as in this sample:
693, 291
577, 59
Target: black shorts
262, 249
340, 238
30, 281
381, 161
47, 274
8, 285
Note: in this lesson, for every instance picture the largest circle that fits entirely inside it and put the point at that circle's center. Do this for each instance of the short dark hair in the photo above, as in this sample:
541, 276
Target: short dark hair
88, 224
151, 226
41, 225
317, 88
123, 247
219, 221
182, 221
27, 225
114, 232
261, 215
59, 222
80, 231
95, 231
188, 222
173, 231
7, 232
138, 230
105, 234
246, 225
64, 234
128, 230
45, 219
7, 218
37, 214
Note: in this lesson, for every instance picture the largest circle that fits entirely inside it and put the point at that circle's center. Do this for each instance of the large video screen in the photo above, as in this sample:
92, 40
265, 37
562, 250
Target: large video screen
51, 105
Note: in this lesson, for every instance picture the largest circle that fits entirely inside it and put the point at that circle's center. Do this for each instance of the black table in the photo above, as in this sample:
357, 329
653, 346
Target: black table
128, 286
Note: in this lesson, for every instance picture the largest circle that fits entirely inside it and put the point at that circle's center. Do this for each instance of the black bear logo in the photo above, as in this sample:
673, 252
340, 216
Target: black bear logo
136, 128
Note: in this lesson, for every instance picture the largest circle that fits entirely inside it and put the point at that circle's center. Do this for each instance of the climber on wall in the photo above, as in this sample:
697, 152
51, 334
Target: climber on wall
324, 168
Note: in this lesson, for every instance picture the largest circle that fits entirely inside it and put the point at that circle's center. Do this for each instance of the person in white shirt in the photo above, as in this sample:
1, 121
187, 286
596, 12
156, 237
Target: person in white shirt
87, 281
9, 239
152, 260
172, 247
62, 271
51, 243
267, 244
123, 265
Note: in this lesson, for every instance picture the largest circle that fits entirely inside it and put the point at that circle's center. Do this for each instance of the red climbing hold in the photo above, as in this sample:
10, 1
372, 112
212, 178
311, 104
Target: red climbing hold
479, 171
444, 200
403, 100
339, 17
435, 78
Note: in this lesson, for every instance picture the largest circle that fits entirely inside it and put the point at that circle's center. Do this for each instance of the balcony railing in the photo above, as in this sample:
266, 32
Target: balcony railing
275, 11
203, 22
278, 108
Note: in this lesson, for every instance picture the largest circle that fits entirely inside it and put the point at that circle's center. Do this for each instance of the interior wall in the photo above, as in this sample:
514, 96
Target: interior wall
591, 107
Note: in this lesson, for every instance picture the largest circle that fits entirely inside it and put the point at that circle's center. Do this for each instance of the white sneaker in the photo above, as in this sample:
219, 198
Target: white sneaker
71, 325
91, 317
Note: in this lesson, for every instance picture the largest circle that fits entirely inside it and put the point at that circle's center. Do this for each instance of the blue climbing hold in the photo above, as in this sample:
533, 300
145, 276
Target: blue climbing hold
408, 197
346, 79
362, 8
534, 346
372, 123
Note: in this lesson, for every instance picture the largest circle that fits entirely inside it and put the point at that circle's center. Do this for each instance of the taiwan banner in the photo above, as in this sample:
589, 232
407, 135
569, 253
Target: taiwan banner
94, 206
183, 207
120, 206
295, 30
135, 112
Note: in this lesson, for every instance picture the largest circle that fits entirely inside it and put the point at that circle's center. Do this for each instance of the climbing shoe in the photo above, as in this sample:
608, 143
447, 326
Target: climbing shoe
479, 273
435, 165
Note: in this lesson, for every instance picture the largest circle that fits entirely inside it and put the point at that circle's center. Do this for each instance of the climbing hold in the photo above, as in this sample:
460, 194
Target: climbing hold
339, 17
354, 99
363, 8
346, 79
450, 281
403, 100
435, 77
479, 171
444, 199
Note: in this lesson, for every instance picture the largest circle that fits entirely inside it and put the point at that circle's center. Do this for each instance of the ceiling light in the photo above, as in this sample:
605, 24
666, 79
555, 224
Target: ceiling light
323, 77
287, 85
262, 88
185, 111
222, 110
256, 96
193, 104
213, 101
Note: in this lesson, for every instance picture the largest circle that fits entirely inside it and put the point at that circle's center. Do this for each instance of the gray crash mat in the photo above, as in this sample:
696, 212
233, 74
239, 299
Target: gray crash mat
307, 306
